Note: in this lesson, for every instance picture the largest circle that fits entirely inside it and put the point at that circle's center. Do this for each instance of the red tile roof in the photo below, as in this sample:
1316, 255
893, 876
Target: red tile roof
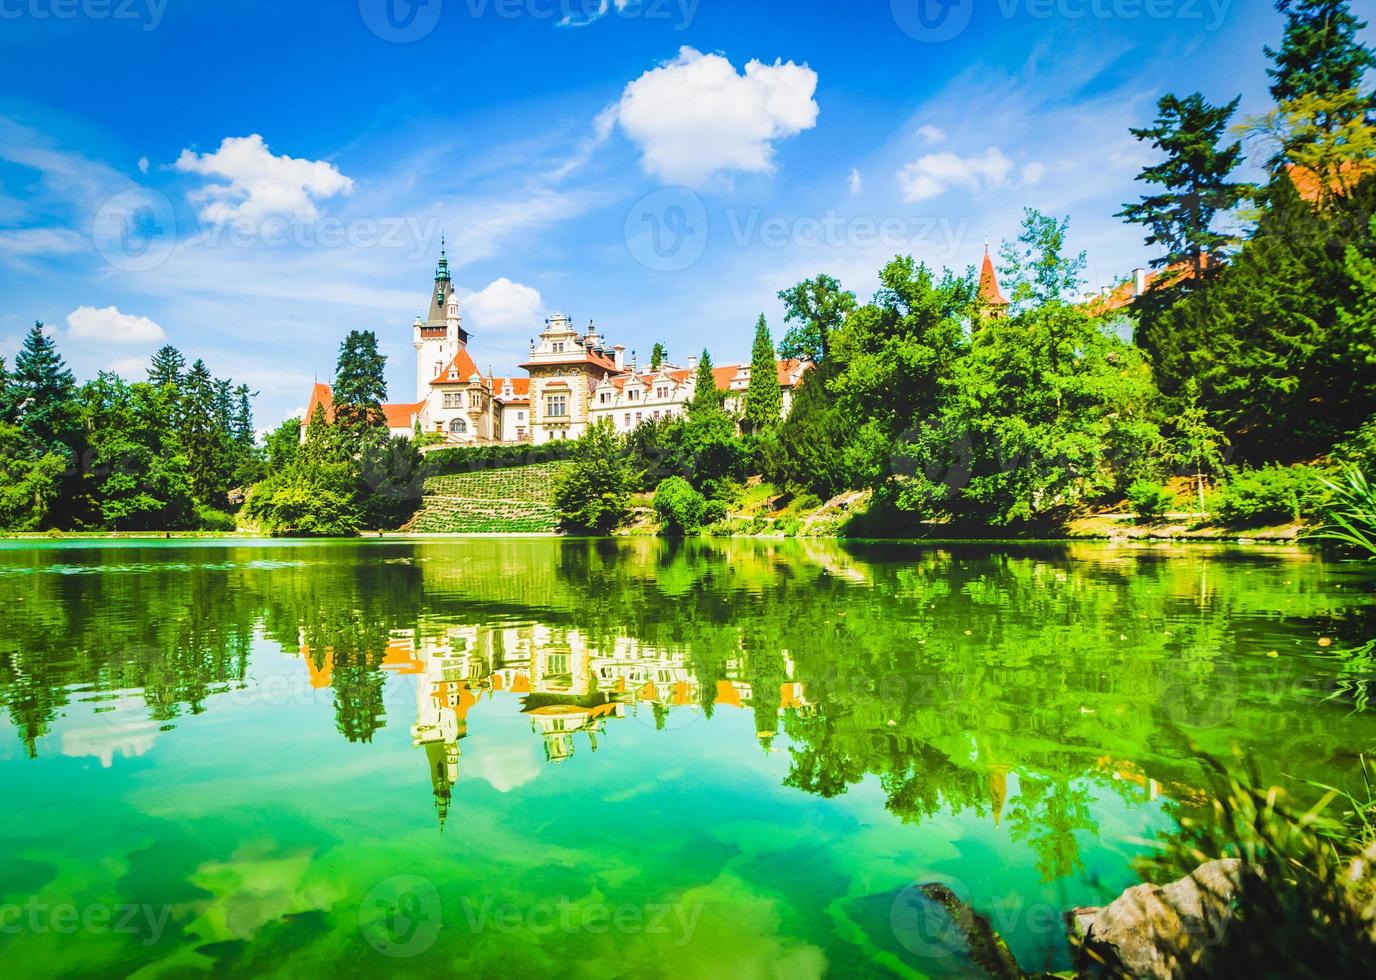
399, 415
1123, 295
462, 365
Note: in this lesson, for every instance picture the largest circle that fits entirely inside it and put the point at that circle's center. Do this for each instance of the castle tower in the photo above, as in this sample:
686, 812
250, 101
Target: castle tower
992, 304
439, 337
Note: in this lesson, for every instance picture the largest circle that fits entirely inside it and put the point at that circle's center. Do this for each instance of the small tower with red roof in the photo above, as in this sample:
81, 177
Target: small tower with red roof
993, 305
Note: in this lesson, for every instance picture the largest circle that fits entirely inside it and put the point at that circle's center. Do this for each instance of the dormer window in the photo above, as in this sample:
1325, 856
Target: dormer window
557, 348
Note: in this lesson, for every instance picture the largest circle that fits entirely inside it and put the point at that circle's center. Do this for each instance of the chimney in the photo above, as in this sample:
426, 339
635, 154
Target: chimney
692, 364
620, 357
1139, 277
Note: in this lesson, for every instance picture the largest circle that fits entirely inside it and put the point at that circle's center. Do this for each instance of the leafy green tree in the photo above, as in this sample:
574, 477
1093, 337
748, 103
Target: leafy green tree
816, 307
810, 451
592, 492
678, 507
30, 484
1036, 267
658, 356
360, 385
1194, 177
1320, 56
167, 367
763, 399
137, 480
316, 494
45, 391
1196, 444
283, 444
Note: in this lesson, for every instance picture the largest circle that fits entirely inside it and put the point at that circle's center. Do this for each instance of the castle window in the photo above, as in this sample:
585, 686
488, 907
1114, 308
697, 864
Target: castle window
605, 398
458, 427
628, 420
662, 393
557, 405
557, 348
453, 399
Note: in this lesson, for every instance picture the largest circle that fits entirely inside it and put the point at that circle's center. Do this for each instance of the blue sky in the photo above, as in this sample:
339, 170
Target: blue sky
252, 179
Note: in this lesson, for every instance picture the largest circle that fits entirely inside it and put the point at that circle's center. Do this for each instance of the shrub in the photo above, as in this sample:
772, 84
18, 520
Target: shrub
593, 491
713, 512
1272, 495
1351, 514
1149, 500
678, 506
464, 459
210, 519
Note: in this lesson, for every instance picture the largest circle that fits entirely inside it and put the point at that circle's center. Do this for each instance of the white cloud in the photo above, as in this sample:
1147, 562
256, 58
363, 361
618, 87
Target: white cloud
143, 165
583, 18
855, 182
503, 304
42, 241
932, 134
110, 326
933, 175
695, 116
260, 184
1033, 173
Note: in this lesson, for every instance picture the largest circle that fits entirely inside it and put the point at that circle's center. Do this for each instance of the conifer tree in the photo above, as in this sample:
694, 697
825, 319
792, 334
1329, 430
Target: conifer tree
1194, 177
360, 385
763, 399
167, 367
8, 404
658, 356
201, 434
705, 393
44, 391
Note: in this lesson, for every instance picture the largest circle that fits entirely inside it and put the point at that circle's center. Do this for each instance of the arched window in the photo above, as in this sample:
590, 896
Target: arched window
458, 427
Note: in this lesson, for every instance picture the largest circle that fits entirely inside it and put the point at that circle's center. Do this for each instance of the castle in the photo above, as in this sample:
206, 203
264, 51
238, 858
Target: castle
573, 381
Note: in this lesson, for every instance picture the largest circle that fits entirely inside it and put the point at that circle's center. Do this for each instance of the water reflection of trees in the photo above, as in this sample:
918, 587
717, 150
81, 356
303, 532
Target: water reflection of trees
937, 671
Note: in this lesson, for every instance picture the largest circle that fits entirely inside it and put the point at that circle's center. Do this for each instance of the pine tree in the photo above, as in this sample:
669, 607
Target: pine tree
202, 435
658, 356
45, 392
167, 367
1321, 66
705, 393
763, 399
360, 384
1195, 177
8, 403
1320, 53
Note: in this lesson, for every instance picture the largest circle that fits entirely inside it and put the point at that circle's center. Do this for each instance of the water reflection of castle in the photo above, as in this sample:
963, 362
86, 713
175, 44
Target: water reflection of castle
568, 687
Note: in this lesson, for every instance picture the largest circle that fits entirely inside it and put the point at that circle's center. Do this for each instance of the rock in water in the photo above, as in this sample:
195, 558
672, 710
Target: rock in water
1152, 931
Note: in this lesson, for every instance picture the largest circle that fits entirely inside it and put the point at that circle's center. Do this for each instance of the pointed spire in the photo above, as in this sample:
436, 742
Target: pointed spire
442, 270
990, 295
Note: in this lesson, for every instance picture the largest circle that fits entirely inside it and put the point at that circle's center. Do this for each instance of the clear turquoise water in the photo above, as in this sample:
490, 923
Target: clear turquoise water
631, 758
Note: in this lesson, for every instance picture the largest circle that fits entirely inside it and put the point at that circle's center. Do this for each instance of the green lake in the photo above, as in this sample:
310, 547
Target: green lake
631, 758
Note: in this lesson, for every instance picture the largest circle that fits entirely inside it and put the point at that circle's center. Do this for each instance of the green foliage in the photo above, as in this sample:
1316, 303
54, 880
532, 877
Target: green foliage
1270, 495
317, 494
679, 507
283, 444
44, 390
706, 396
816, 308
1194, 178
1304, 905
810, 450
167, 368
466, 459
658, 356
763, 399
1351, 513
360, 385
593, 491
706, 448
1148, 500
509, 500
713, 512
29, 483
209, 519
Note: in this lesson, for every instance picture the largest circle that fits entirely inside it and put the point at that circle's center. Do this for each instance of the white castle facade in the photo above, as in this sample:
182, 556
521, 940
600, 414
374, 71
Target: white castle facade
572, 380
